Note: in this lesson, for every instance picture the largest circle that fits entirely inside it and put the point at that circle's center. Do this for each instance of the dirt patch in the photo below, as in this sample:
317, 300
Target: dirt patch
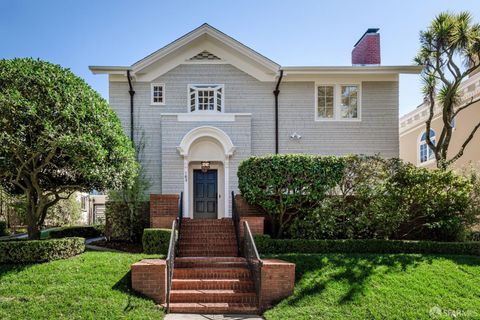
120, 245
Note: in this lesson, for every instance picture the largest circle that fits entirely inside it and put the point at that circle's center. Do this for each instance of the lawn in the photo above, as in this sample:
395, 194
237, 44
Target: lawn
400, 286
94, 285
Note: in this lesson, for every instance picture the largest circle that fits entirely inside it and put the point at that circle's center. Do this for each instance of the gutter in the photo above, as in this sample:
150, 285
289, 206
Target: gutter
132, 93
276, 92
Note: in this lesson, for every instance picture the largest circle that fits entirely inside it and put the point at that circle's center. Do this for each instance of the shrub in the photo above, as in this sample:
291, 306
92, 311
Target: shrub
287, 185
266, 245
118, 224
29, 251
387, 199
434, 203
78, 231
156, 240
354, 209
3, 229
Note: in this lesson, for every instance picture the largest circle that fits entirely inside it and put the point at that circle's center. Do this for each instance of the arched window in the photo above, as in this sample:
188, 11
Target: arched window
425, 152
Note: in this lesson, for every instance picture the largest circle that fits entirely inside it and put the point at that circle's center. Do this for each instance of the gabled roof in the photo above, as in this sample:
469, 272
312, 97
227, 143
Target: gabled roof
208, 39
207, 44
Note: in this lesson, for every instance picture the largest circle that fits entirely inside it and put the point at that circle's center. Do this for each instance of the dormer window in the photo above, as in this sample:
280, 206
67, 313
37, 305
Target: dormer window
206, 98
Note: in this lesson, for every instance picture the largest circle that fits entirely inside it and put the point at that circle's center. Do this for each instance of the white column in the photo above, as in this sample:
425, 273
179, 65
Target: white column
226, 174
186, 196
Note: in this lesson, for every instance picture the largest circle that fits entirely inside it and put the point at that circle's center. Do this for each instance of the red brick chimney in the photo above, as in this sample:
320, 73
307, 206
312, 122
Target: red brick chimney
367, 50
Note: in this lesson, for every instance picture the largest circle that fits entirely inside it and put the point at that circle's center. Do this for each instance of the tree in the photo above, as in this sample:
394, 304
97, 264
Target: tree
57, 136
132, 198
450, 53
65, 212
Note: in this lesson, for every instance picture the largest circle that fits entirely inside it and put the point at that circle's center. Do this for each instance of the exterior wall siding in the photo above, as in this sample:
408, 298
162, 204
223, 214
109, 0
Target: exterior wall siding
377, 132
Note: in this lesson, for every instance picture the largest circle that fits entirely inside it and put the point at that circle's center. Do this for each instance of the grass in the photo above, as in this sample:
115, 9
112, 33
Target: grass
93, 285
96, 285
400, 286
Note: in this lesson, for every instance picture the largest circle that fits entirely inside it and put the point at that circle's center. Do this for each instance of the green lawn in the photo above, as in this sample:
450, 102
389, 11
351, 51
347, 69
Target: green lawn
401, 286
94, 285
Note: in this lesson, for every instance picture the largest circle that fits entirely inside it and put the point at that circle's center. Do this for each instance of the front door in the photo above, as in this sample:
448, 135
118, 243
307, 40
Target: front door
205, 194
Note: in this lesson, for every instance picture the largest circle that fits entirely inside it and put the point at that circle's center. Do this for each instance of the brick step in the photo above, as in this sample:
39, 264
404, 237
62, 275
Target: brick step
207, 246
212, 284
208, 253
207, 221
214, 308
218, 249
208, 239
210, 264
219, 230
205, 296
211, 273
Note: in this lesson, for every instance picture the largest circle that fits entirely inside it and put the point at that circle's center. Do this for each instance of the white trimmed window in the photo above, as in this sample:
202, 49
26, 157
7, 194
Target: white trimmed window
337, 102
425, 152
158, 93
207, 98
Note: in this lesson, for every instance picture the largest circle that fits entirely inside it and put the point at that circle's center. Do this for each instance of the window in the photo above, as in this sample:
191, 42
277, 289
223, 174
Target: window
325, 101
426, 153
158, 93
206, 98
349, 105
338, 102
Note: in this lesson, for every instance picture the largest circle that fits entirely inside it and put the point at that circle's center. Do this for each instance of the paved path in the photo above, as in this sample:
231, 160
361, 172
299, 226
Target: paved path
184, 316
25, 235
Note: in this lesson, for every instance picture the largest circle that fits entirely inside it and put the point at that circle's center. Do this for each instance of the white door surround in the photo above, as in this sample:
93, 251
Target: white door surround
206, 143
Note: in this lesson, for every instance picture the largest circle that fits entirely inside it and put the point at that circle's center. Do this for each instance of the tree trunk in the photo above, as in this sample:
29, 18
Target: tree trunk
33, 232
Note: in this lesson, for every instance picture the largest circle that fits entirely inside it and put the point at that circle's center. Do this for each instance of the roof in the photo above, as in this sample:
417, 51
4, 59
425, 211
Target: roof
257, 64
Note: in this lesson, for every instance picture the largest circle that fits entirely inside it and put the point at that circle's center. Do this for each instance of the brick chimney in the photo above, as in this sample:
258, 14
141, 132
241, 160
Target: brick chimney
367, 50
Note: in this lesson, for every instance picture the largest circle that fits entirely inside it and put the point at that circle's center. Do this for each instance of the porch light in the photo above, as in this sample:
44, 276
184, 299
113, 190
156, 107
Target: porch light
205, 166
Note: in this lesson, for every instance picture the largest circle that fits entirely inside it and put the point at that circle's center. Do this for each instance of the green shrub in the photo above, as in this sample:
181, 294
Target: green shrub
266, 245
156, 240
29, 251
78, 231
387, 199
286, 185
118, 222
3, 229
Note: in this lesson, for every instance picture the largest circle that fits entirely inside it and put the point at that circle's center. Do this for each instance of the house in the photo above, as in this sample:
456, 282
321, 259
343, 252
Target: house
92, 205
205, 102
413, 147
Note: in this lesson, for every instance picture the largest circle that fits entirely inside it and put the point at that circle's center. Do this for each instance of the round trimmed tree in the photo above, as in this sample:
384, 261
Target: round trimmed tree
57, 136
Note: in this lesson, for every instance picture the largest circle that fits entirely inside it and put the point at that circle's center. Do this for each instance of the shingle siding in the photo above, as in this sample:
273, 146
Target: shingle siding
377, 132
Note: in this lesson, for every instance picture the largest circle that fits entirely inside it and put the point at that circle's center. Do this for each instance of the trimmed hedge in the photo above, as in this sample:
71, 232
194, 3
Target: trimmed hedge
266, 245
156, 240
3, 229
28, 251
78, 231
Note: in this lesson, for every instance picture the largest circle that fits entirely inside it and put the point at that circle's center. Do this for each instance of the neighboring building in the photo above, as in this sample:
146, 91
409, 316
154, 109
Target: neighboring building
93, 207
206, 102
413, 147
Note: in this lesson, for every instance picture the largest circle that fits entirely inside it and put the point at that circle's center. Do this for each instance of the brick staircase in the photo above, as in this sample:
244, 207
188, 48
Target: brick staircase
208, 276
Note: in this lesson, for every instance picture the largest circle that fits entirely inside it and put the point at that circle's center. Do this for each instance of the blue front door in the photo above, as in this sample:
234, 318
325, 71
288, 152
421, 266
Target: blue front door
205, 194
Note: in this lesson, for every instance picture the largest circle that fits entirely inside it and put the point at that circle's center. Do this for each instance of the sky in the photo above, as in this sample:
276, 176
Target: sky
76, 34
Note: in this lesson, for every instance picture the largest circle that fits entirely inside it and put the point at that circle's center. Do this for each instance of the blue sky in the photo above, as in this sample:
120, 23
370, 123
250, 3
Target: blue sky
77, 34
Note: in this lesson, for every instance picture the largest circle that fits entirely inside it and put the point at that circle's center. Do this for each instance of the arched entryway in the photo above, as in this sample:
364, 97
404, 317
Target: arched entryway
206, 192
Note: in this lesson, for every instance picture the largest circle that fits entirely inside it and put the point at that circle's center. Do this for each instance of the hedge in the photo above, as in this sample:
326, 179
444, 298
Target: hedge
28, 251
78, 231
266, 245
156, 240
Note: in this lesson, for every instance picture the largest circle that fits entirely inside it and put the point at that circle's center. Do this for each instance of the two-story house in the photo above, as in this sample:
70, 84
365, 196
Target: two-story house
205, 102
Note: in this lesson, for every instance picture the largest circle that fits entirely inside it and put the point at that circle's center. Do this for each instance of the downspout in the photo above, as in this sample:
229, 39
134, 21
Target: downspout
132, 93
276, 92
